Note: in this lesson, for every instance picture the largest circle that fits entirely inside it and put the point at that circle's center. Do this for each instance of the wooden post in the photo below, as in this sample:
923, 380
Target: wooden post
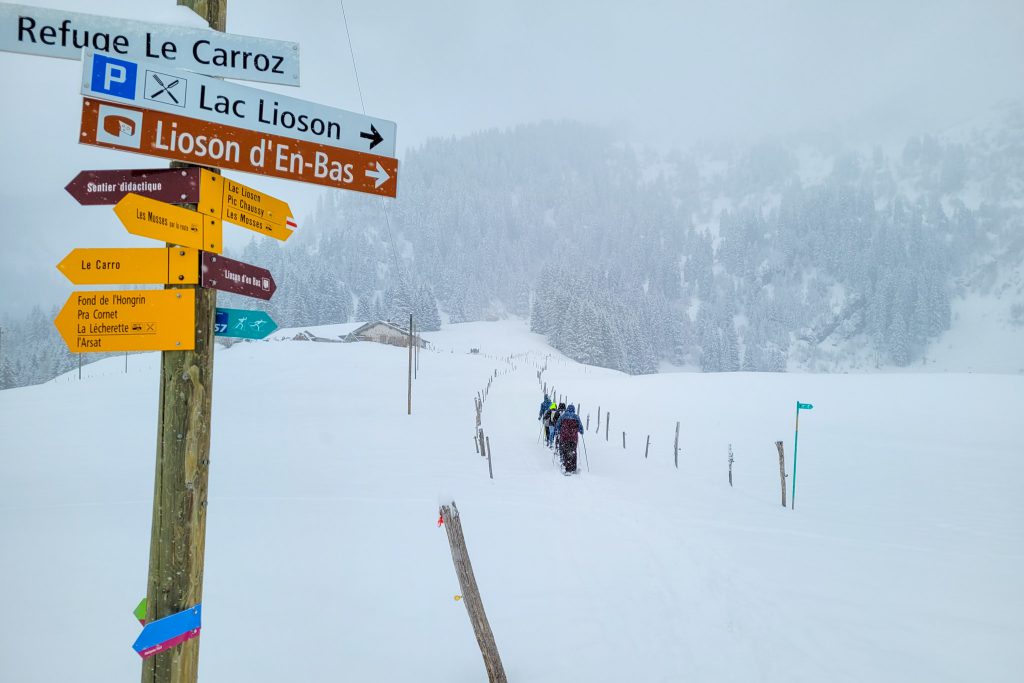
471, 594
178, 532
598, 427
648, 446
782, 470
410, 363
490, 469
607, 421
730, 464
587, 428
480, 433
79, 366
476, 444
623, 439
676, 447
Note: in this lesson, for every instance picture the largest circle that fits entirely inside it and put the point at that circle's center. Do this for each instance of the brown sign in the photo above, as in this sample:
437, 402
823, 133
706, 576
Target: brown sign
229, 275
171, 185
190, 140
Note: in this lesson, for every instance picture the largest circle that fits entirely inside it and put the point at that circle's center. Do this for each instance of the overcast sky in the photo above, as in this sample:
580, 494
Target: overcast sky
664, 73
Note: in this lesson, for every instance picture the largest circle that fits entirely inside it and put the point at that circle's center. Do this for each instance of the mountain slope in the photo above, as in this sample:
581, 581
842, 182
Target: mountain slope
900, 561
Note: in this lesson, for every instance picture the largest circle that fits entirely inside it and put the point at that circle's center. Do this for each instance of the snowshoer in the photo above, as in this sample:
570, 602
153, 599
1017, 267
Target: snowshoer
544, 405
567, 429
548, 422
555, 414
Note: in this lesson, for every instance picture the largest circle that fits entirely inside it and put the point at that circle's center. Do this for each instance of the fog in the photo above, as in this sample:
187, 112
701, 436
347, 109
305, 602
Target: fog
663, 74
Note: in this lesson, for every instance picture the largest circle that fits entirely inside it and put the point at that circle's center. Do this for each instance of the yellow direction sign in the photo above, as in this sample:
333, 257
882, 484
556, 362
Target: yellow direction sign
175, 224
168, 265
244, 206
130, 320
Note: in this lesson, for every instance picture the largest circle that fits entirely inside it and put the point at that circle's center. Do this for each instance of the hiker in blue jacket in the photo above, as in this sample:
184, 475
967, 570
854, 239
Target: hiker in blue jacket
544, 405
567, 430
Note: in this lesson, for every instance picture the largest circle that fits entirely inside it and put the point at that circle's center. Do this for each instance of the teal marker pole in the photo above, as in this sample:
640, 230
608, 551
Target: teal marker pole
796, 438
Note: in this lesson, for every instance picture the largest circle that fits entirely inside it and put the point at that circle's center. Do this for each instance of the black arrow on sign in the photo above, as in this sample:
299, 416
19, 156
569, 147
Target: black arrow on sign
375, 136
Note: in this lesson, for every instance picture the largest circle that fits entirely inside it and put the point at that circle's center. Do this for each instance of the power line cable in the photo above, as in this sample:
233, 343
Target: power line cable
383, 205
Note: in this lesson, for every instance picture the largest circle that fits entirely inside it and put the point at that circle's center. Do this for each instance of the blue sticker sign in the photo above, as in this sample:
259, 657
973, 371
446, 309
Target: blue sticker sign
163, 634
235, 322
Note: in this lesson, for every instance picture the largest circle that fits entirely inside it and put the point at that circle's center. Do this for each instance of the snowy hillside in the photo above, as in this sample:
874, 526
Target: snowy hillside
901, 561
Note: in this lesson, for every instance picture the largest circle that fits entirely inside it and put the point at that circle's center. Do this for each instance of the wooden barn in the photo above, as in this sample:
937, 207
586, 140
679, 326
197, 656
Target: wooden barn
384, 333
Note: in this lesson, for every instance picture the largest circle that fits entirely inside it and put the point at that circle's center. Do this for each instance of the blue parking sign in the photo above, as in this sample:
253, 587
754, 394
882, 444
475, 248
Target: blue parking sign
114, 76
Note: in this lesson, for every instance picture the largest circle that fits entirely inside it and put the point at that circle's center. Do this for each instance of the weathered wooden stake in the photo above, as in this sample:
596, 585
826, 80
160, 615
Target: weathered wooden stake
476, 445
623, 439
480, 433
490, 469
178, 532
676, 447
587, 428
471, 594
782, 470
607, 422
648, 446
730, 464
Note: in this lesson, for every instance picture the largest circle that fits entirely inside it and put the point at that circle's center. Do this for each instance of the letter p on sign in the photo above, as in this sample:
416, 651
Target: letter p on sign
114, 76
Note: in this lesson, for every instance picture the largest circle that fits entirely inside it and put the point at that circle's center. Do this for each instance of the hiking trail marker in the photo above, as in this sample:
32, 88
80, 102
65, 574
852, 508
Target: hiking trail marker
244, 206
168, 223
796, 436
229, 275
216, 196
162, 87
163, 634
234, 322
56, 33
160, 266
128, 320
172, 185
172, 136
140, 611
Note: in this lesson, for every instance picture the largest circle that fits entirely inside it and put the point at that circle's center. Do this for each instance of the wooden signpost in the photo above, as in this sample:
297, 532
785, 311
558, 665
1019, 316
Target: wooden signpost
168, 223
129, 320
158, 266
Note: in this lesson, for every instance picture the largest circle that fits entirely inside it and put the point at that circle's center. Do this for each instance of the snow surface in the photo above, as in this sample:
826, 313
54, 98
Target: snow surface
901, 562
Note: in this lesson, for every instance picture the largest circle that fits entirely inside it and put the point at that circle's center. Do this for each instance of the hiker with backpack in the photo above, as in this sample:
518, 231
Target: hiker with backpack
544, 405
555, 415
548, 422
567, 429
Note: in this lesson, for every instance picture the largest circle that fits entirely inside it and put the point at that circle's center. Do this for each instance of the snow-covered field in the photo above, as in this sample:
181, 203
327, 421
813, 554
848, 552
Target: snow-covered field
901, 562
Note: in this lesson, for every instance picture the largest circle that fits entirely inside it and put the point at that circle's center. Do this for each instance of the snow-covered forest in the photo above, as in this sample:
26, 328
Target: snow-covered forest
780, 255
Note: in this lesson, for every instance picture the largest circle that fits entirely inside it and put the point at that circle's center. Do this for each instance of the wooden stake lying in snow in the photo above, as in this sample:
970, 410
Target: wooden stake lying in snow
782, 470
471, 594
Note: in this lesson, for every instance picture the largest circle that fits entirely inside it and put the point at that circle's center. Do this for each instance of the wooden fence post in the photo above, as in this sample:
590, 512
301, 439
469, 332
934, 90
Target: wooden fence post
480, 434
623, 439
588, 423
676, 447
607, 421
782, 470
598, 427
490, 469
648, 446
730, 464
476, 444
471, 594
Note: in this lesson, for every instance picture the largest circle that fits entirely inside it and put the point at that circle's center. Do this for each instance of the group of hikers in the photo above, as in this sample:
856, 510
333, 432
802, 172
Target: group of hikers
562, 427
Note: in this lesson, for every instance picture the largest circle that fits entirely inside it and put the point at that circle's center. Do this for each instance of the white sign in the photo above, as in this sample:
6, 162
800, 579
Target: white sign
151, 85
55, 33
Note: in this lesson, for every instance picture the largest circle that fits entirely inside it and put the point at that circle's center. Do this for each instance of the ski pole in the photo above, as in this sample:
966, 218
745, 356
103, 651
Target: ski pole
586, 458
